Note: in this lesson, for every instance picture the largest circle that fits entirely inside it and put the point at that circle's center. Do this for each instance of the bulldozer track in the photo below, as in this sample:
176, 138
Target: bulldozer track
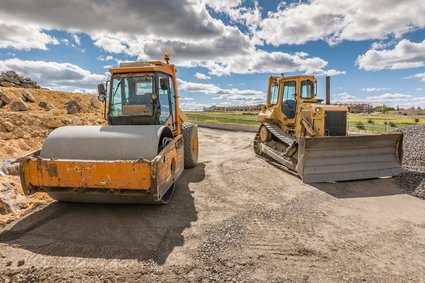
279, 133
268, 158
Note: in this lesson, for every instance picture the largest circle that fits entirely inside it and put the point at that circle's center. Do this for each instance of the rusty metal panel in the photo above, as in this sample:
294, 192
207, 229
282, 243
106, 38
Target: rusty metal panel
350, 158
40, 172
169, 165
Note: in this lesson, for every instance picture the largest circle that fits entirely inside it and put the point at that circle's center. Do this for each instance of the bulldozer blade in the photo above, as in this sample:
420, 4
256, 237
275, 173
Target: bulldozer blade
349, 157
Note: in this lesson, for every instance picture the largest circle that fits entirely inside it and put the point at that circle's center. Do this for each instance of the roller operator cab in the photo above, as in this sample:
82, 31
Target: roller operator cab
137, 158
311, 138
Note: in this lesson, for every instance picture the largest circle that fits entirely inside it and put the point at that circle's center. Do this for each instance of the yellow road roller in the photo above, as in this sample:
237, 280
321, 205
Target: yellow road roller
136, 158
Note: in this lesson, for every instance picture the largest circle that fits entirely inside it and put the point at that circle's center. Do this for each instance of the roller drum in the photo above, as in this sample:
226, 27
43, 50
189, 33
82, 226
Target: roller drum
103, 142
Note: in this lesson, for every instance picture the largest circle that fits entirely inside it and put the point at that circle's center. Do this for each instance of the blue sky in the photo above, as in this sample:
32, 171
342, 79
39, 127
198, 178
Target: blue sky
225, 50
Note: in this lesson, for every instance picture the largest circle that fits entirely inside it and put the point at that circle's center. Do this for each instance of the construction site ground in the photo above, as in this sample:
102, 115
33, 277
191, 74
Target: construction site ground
234, 218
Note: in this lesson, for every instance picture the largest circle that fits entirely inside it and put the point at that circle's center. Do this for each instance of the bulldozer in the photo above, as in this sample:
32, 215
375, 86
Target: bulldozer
311, 139
136, 158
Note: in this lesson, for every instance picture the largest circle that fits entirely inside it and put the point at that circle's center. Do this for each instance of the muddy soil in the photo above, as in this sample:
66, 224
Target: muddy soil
234, 218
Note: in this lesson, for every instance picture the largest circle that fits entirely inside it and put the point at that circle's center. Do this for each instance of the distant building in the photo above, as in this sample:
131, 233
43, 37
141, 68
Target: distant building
359, 108
215, 108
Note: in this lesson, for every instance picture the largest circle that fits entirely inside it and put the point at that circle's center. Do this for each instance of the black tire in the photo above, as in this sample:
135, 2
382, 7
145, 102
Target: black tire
190, 139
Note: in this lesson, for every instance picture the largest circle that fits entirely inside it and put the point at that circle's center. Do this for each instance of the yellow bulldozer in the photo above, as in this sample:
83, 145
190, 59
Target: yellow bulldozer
311, 138
137, 158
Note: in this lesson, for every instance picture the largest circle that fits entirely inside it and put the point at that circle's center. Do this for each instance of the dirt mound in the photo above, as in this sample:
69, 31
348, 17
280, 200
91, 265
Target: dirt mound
23, 131
27, 116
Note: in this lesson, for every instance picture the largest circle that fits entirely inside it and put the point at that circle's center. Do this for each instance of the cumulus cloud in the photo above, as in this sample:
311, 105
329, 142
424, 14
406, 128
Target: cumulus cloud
24, 37
53, 74
420, 76
193, 106
405, 100
76, 39
190, 18
373, 89
202, 76
86, 90
242, 96
248, 16
406, 54
193, 38
186, 99
335, 21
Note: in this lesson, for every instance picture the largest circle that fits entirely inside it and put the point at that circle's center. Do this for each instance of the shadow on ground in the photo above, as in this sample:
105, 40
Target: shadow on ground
110, 231
360, 188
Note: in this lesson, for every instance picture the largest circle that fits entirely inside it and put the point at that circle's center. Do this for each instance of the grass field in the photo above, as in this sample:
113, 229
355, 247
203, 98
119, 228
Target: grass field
356, 122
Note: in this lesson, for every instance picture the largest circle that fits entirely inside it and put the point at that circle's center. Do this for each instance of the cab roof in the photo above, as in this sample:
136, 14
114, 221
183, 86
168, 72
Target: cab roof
142, 67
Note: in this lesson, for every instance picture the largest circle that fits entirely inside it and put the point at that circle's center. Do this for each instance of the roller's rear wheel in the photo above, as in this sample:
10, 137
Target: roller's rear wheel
190, 137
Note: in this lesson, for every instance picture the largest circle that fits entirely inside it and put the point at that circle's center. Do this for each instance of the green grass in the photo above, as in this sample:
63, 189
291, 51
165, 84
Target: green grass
377, 125
227, 118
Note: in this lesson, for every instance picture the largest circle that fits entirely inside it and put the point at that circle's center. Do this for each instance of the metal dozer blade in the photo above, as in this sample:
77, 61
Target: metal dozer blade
349, 157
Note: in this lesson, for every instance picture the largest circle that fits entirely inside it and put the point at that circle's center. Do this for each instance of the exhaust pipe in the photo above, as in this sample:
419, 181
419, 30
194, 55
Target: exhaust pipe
328, 90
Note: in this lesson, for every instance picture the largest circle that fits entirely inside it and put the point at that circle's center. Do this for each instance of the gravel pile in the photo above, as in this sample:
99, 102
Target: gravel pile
413, 179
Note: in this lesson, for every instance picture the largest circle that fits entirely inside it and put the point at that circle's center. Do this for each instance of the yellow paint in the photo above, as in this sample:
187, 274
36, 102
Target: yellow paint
87, 174
311, 109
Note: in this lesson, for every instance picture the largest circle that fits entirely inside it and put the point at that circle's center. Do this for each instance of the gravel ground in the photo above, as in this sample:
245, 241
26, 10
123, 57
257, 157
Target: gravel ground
412, 180
234, 218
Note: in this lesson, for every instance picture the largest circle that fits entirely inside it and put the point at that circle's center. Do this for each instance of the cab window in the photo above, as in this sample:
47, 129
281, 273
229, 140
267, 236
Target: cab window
289, 102
166, 100
274, 93
307, 89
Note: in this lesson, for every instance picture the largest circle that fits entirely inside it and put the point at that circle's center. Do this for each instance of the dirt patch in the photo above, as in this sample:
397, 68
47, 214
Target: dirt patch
13, 203
234, 218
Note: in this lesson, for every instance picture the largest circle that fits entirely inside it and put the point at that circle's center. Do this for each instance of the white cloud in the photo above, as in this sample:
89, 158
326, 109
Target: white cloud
52, 74
193, 106
185, 99
249, 16
191, 19
86, 90
380, 45
202, 76
320, 72
335, 21
76, 39
390, 99
406, 54
420, 76
242, 96
24, 37
373, 89
193, 38
109, 43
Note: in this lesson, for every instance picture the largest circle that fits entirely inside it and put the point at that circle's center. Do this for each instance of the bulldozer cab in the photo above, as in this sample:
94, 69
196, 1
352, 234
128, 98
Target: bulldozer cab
142, 98
287, 94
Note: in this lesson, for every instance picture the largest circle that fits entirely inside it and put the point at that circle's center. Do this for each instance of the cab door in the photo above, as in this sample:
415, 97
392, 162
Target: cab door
289, 99
166, 101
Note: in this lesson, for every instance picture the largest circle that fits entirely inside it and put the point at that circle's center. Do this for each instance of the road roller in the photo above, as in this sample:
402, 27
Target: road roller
136, 158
